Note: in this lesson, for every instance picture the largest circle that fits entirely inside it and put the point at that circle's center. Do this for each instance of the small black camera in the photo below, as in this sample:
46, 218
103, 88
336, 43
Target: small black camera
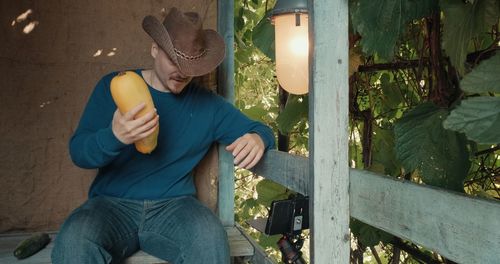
287, 217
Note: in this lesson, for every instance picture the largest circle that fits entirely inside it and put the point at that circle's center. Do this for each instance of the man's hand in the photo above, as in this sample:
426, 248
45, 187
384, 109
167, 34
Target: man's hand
247, 150
129, 130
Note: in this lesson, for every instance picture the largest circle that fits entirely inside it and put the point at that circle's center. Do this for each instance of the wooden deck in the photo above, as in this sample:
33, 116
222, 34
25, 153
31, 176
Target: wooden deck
239, 246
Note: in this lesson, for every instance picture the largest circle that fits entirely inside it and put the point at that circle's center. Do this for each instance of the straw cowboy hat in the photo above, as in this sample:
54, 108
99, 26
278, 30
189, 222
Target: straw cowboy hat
196, 51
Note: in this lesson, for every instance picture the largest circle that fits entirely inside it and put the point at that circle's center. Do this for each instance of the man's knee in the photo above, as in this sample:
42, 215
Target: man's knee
79, 239
211, 230
76, 233
205, 225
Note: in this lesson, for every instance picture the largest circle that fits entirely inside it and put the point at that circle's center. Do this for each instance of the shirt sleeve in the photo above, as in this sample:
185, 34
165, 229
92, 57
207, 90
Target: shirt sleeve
230, 124
94, 145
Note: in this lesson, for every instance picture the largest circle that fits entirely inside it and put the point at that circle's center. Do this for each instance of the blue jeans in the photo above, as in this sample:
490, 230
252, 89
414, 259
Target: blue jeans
108, 230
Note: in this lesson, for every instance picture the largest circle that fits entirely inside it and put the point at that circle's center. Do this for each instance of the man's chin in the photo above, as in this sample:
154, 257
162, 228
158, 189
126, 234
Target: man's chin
176, 89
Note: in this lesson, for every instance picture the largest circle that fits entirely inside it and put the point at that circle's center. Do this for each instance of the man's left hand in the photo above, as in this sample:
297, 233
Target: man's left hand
247, 150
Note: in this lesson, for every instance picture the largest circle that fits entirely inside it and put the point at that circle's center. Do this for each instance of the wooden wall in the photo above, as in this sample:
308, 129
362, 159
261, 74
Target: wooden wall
46, 77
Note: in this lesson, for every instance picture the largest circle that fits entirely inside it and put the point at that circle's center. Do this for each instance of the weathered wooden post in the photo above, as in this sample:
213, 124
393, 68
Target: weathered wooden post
328, 142
225, 88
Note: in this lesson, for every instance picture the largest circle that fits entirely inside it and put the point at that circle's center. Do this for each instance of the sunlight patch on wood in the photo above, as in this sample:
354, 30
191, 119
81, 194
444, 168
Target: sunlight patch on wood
97, 53
112, 53
30, 27
22, 16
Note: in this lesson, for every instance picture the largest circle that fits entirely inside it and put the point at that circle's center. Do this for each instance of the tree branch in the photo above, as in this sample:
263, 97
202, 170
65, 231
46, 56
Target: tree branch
375, 254
486, 151
405, 64
396, 254
414, 252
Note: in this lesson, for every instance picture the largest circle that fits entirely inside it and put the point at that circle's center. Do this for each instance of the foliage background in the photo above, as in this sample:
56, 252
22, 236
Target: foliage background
424, 106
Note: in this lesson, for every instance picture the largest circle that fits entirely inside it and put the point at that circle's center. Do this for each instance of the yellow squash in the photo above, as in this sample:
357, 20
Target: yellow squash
128, 90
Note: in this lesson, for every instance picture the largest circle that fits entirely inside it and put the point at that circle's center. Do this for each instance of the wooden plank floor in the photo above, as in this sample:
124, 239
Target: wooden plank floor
238, 243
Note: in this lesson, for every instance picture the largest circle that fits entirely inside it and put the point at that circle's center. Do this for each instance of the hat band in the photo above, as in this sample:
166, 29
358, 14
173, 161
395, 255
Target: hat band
189, 57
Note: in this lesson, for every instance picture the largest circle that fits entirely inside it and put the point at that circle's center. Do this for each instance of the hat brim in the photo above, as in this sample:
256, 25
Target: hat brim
160, 35
215, 53
214, 45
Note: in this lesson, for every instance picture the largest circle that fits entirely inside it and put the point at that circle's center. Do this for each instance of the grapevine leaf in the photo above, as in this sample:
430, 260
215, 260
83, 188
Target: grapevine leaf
247, 207
422, 144
263, 37
239, 22
269, 191
369, 236
462, 22
380, 23
383, 151
256, 112
391, 95
296, 109
478, 118
483, 78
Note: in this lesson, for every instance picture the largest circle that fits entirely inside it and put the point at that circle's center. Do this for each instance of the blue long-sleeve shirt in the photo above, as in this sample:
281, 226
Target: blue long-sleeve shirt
189, 123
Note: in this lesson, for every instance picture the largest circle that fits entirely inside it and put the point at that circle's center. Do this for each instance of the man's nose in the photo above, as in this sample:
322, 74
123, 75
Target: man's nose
182, 75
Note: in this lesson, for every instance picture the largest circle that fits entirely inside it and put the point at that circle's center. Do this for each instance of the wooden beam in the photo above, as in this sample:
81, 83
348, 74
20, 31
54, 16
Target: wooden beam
459, 227
328, 143
285, 169
238, 245
225, 19
225, 27
260, 256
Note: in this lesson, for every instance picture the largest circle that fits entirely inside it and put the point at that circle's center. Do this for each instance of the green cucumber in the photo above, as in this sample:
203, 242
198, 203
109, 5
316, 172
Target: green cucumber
31, 245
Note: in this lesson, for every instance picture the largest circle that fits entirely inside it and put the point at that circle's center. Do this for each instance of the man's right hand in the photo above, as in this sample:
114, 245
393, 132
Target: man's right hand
129, 130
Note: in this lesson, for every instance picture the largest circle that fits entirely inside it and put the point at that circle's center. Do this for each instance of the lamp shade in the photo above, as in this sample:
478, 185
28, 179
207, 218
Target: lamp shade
292, 50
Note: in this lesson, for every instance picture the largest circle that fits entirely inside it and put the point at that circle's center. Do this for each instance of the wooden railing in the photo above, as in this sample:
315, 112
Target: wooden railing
461, 228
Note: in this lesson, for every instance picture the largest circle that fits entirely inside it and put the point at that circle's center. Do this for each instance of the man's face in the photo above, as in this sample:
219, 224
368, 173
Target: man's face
168, 73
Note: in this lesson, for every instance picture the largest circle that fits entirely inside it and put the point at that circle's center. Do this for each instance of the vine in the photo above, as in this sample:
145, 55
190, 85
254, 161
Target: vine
423, 93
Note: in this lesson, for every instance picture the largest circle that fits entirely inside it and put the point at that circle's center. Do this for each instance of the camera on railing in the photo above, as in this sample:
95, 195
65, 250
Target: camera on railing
287, 217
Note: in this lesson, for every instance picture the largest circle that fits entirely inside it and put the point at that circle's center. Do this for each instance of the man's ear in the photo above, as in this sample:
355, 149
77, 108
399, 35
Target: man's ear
154, 50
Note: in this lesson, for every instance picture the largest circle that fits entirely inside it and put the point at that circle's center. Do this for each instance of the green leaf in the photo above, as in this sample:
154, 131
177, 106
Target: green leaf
256, 112
266, 241
296, 109
441, 156
383, 151
380, 23
391, 94
250, 16
269, 191
243, 56
239, 22
478, 118
247, 208
463, 21
483, 78
368, 235
263, 37
490, 13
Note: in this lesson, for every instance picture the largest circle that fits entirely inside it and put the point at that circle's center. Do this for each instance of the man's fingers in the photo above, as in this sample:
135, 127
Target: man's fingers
133, 112
148, 125
146, 133
256, 159
141, 121
242, 143
248, 158
242, 153
117, 114
233, 145
247, 150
